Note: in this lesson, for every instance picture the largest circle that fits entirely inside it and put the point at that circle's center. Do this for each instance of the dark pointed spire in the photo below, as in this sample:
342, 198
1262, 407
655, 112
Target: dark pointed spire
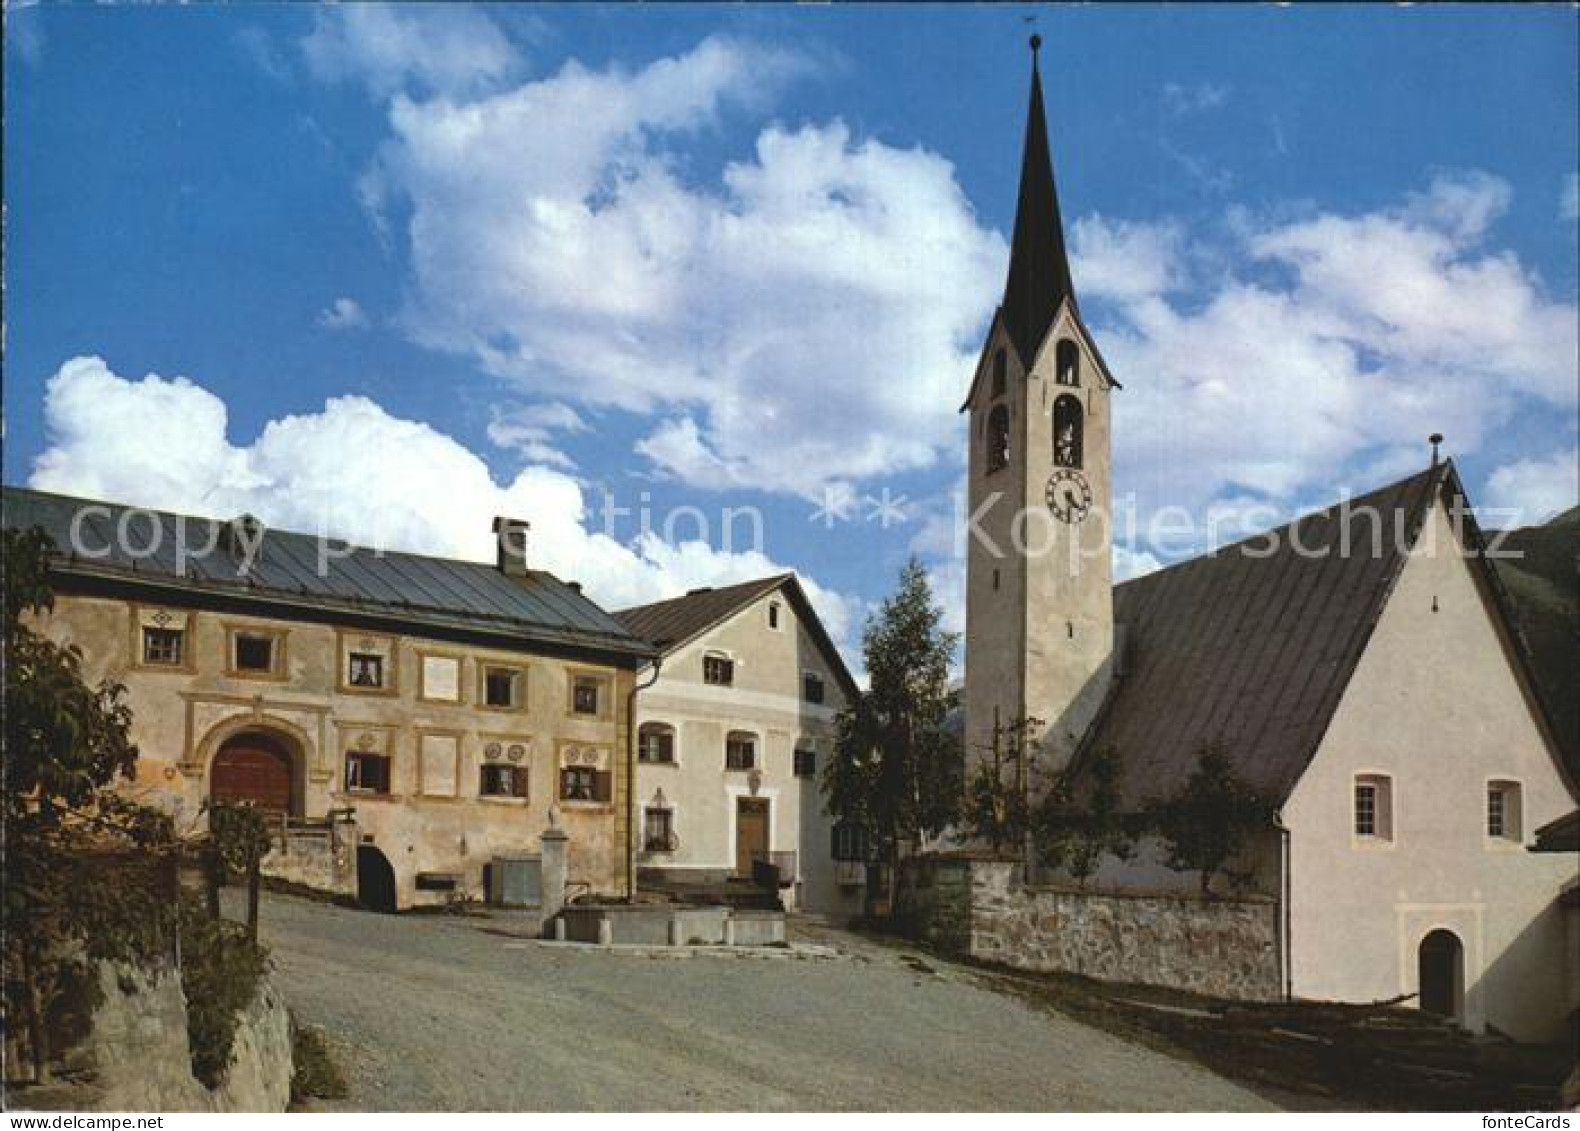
1039, 270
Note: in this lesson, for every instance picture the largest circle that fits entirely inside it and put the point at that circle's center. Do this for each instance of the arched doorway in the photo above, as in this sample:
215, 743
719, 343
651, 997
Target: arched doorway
258, 768
1442, 974
375, 879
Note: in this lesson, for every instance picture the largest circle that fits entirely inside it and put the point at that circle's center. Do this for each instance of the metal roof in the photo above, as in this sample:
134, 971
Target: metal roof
676, 622
443, 593
1250, 650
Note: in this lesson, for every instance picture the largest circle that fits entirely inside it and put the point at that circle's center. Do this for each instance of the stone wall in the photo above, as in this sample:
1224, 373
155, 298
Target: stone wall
322, 858
1222, 947
135, 1056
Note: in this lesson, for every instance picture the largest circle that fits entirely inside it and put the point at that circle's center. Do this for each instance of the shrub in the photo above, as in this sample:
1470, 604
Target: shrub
220, 972
314, 1073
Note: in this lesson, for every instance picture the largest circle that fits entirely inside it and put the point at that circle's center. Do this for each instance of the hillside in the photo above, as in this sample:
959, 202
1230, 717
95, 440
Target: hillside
1545, 586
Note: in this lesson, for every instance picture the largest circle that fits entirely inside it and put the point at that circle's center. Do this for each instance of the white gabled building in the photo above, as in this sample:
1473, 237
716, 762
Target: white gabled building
1360, 668
732, 738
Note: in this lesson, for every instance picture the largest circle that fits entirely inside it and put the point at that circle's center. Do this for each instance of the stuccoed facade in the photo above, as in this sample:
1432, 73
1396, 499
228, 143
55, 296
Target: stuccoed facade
420, 812
767, 633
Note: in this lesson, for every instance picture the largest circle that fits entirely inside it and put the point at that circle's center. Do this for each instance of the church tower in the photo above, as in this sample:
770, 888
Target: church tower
1039, 574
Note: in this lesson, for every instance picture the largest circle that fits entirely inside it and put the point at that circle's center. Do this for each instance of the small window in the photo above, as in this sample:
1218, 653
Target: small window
254, 652
367, 773
773, 614
1374, 807
502, 687
740, 751
1000, 375
1067, 363
658, 830
163, 646
997, 438
500, 780
586, 692
655, 743
365, 669
812, 687
805, 763
850, 842
719, 670
583, 783
1504, 819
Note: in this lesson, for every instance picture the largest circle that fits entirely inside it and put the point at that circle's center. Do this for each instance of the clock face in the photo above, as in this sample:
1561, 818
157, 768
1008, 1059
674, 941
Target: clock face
1069, 495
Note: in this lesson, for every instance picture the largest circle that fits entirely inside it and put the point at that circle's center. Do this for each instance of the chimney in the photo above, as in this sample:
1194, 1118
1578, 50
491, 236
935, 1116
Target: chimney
510, 546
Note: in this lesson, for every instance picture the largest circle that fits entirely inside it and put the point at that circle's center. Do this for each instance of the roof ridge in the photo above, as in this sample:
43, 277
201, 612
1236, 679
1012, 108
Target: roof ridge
1431, 474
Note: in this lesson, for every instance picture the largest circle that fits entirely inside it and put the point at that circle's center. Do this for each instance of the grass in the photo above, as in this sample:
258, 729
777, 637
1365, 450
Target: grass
314, 1072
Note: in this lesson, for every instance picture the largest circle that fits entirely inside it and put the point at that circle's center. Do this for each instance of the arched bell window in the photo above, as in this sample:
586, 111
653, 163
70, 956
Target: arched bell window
1000, 374
1067, 427
1067, 363
997, 438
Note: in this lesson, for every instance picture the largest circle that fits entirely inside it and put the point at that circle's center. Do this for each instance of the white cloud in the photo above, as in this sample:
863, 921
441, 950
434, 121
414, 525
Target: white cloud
530, 430
1181, 99
1316, 345
557, 237
1532, 490
440, 49
343, 314
355, 472
1569, 198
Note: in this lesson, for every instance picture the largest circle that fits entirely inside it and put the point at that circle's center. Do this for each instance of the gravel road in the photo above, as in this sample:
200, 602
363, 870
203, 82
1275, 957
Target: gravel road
439, 1013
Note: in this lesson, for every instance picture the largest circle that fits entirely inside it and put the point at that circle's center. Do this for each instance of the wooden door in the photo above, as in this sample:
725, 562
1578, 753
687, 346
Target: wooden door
252, 769
1442, 974
751, 831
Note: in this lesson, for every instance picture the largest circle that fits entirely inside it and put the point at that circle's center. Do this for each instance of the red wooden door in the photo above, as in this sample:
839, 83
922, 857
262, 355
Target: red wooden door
251, 769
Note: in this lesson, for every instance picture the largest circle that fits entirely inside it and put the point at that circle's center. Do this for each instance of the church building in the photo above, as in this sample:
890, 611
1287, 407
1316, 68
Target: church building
1359, 668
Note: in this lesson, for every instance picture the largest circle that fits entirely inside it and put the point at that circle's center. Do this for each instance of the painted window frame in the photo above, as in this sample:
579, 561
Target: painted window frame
181, 620
422, 791
424, 694
279, 641
520, 776
605, 682
519, 684
383, 645
359, 756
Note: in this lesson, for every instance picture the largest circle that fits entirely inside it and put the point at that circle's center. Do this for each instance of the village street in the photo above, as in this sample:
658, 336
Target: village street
441, 1012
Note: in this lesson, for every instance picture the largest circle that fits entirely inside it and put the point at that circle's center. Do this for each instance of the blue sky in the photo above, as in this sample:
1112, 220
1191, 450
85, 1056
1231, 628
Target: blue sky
419, 265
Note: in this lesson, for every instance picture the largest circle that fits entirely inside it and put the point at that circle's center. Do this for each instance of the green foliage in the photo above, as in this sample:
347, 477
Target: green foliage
897, 769
1208, 823
238, 835
314, 1071
220, 972
88, 874
996, 808
1075, 832
64, 740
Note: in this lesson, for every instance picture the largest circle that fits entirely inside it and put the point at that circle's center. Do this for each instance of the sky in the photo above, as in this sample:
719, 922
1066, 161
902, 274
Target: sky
698, 290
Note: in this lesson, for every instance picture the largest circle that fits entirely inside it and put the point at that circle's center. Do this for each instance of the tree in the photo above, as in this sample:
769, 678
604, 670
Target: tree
65, 741
896, 772
1206, 825
996, 808
1075, 831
